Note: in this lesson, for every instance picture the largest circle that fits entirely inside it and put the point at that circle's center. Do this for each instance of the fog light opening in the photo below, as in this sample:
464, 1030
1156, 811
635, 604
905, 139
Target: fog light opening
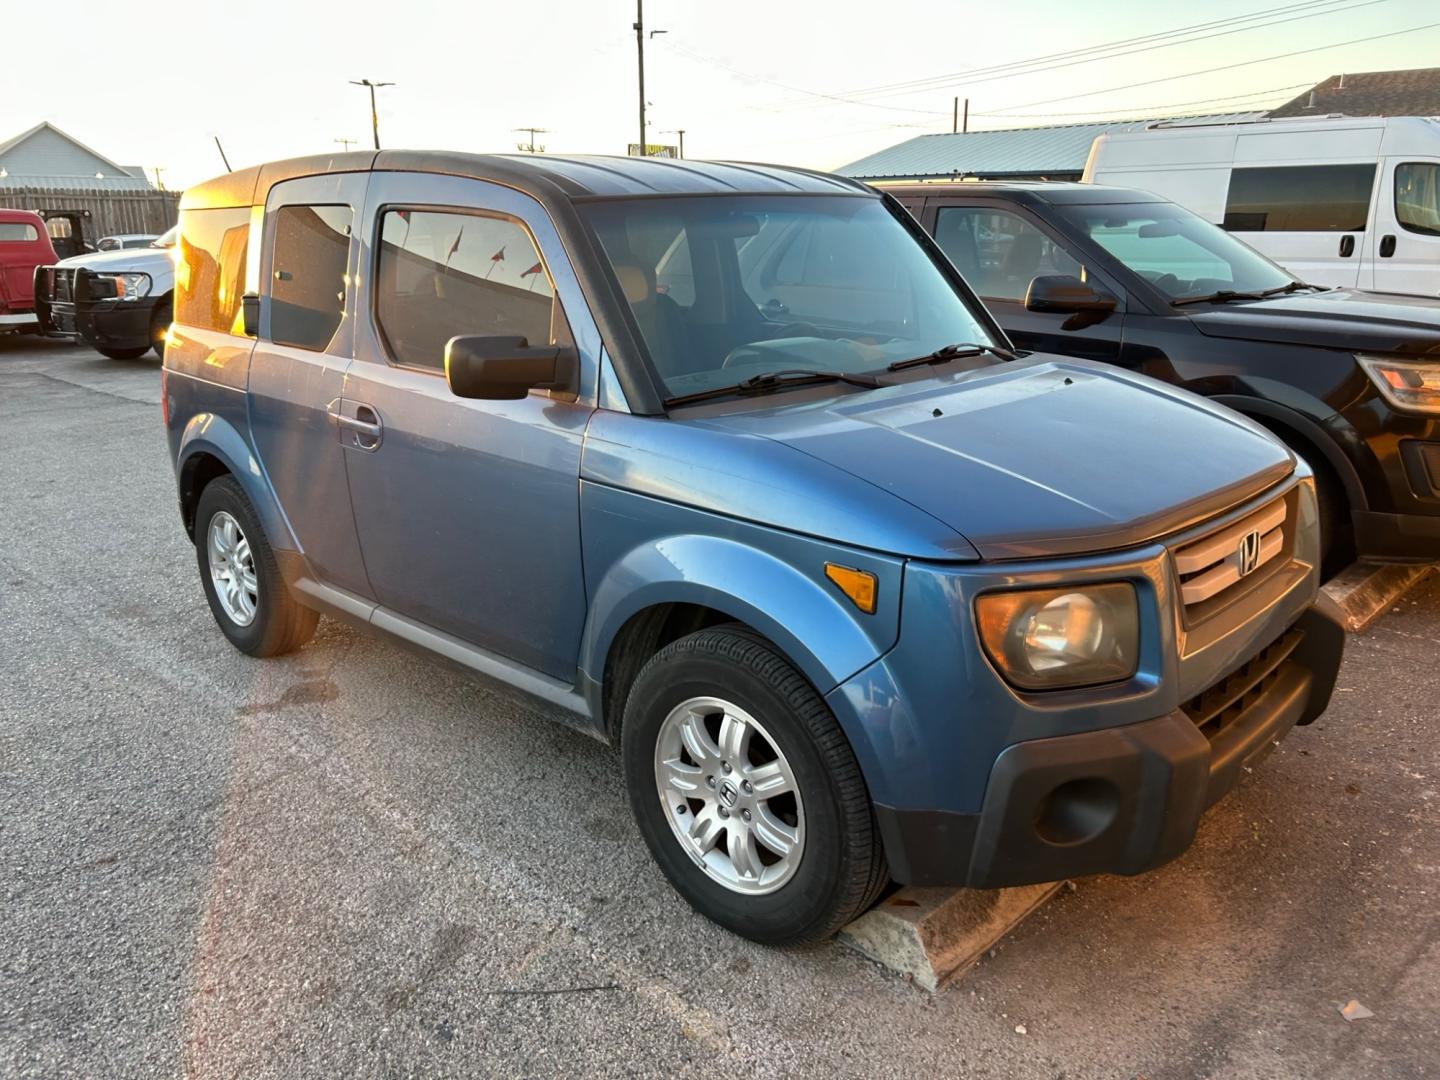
1077, 811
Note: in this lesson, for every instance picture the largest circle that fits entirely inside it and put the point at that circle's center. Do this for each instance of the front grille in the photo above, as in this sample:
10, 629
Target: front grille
1226, 564
1214, 710
62, 284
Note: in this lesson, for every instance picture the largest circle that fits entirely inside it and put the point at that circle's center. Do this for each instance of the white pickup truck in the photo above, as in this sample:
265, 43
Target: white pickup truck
120, 302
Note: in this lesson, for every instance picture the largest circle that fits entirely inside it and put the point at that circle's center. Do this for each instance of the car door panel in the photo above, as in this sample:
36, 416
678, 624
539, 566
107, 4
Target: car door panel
290, 390
468, 510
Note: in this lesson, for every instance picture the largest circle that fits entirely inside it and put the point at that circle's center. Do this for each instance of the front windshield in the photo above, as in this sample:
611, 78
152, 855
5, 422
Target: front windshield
1178, 252
167, 238
727, 287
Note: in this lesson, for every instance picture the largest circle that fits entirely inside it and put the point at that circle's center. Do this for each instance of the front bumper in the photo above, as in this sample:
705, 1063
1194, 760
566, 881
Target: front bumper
64, 305
1124, 799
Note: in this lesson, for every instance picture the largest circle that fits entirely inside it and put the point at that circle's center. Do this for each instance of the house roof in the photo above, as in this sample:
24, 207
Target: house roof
1412, 92
1057, 151
122, 176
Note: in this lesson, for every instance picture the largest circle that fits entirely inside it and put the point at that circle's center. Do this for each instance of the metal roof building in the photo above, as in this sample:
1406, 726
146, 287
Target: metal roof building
1038, 153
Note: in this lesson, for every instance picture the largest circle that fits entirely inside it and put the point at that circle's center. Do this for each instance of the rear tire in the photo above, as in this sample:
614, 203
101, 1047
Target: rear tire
122, 354
247, 595
160, 326
682, 769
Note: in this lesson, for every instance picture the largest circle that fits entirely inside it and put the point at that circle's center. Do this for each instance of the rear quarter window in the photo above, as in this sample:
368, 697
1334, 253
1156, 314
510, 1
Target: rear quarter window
18, 232
210, 270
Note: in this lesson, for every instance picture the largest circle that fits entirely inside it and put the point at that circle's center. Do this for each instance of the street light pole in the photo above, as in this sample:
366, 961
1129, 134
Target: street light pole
681, 133
374, 115
640, 56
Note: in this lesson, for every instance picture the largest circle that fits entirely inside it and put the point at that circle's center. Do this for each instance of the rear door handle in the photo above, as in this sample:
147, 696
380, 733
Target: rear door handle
365, 428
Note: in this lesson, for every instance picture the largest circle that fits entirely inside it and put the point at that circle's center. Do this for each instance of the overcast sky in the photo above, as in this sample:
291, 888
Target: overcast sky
759, 80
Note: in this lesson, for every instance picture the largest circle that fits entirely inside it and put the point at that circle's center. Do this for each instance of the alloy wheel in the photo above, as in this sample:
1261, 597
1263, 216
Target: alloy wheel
232, 569
730, 796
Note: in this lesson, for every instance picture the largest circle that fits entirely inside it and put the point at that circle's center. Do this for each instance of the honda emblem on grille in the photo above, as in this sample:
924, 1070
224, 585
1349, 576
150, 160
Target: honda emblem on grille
1249, 552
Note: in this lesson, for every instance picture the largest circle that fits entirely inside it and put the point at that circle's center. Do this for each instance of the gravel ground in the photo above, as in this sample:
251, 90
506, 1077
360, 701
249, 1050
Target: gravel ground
353, 862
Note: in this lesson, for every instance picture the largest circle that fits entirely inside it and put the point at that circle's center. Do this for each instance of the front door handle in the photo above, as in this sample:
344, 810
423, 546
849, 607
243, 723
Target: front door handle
1387, 246
1347, 246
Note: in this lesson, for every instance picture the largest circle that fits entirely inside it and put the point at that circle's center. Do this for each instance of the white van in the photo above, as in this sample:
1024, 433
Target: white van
1336, 200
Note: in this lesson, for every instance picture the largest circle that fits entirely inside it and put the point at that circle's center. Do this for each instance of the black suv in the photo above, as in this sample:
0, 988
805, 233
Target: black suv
1350, 379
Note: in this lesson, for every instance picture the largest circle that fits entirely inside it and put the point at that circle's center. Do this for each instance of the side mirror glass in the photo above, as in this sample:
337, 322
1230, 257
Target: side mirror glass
250, 314
505, 368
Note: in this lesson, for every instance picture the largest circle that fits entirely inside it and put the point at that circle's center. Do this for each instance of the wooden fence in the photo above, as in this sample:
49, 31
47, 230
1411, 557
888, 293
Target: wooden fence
110, 212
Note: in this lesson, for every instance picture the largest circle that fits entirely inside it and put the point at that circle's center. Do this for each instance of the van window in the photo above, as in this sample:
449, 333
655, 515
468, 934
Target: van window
307, 287
1417, 197
210, 272
18, 230
443, 274
1300, 198
999, 253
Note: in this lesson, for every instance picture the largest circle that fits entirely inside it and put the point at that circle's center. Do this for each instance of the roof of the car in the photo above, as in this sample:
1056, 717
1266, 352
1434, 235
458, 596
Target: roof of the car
546, 176
1059, 193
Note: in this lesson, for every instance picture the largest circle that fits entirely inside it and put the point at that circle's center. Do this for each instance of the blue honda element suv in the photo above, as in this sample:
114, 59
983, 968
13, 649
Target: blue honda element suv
725, 464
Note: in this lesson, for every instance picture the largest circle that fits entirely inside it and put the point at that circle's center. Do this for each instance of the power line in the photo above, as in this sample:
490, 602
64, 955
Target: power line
1150, 109
1223, 67
1103, 52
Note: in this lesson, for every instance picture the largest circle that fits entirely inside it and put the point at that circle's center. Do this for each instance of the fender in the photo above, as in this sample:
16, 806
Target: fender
1307, 416
210, 433
808, 620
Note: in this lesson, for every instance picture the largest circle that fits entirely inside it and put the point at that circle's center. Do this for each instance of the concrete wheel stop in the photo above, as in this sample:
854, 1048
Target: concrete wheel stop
1364, 592
933, 935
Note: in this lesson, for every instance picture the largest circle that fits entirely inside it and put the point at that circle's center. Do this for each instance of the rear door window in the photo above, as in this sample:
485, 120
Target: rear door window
307, 286
1300, 198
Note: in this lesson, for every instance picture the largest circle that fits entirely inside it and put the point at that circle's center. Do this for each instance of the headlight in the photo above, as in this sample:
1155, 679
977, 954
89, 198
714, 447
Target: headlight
1046, 639
1408, 385
129, 286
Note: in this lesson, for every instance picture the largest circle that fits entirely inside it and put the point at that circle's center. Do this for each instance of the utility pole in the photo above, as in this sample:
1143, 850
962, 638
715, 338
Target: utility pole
158, 169
681, 133
347, 143
530, 147
374, 116
955, 117
640, 56
965, 125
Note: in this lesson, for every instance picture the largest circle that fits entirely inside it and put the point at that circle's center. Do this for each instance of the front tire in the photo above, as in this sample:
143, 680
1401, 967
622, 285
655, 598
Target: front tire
747, 792
250, 601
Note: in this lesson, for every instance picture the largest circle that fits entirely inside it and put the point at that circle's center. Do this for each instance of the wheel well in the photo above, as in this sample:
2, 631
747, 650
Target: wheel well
643, 635
1313, 455
196, 474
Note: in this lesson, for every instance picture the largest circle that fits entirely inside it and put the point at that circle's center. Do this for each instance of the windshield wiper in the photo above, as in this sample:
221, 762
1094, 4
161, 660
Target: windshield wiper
952, 352
1225, 295
775, 380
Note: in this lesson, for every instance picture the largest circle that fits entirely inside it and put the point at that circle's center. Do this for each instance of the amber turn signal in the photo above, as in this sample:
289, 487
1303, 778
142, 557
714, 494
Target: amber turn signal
859, 585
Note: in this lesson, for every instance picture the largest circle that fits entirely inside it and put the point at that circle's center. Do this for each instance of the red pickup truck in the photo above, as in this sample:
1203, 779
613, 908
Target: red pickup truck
24, 245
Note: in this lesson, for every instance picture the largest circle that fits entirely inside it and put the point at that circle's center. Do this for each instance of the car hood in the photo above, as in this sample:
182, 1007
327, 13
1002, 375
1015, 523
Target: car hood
1352, 319
144, 260
1045, 456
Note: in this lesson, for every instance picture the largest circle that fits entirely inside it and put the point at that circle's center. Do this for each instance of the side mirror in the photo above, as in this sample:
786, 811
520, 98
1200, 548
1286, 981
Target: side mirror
250, 314
505, 368
1066, 295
